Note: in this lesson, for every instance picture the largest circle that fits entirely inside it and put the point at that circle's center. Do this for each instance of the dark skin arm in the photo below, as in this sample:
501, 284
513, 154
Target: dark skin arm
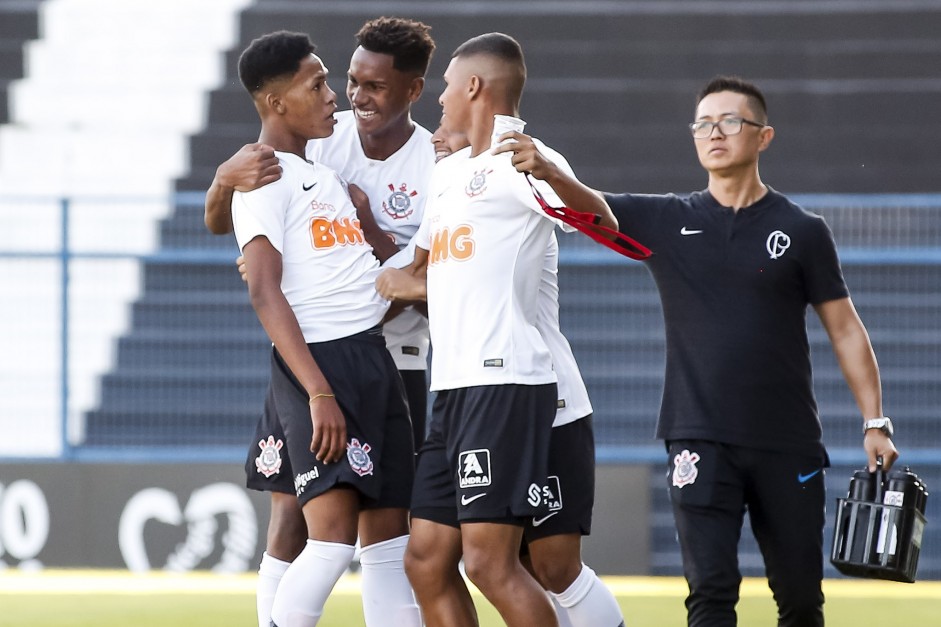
263, 273
253, 166
575, 194
383, 246
406, 285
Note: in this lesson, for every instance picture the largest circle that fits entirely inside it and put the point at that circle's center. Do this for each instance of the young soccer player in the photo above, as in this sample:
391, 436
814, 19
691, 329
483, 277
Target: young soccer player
553, 541
377, 145
334, 387
485, 237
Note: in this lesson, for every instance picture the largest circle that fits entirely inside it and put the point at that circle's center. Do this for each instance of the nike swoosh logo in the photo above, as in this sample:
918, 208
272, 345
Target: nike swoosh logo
686, 231
467, 501
307, 188
805, 478
539, 521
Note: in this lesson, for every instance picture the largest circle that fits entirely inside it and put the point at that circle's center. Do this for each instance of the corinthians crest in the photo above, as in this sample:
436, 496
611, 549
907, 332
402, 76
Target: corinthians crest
399, 203
478, 184
684, 468
268, 461
358, 456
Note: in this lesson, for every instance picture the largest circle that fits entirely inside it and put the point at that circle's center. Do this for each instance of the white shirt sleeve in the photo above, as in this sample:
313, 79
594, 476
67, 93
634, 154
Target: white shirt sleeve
261, 212
422, 237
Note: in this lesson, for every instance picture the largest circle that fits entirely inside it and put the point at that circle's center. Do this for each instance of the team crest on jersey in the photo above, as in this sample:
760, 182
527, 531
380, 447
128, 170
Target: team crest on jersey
684, 468
473, 468
399, 203
268, 461
358, 456
478, 184
777, 243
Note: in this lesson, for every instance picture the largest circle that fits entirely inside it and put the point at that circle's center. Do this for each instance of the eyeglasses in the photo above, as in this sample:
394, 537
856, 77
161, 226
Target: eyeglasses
702, 129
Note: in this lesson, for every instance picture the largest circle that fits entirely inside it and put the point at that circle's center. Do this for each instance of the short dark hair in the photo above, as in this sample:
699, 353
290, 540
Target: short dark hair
272, 56
406, 41
756, 100
496, 45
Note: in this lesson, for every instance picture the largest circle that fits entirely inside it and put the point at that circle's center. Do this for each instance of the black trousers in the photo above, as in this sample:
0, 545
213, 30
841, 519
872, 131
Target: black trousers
711, 487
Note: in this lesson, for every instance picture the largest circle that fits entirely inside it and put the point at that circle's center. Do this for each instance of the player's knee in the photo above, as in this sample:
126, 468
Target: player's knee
556, 575
287, 532
421, 566
486, 573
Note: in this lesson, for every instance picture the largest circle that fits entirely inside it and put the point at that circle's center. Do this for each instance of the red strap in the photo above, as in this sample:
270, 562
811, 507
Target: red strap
587, 223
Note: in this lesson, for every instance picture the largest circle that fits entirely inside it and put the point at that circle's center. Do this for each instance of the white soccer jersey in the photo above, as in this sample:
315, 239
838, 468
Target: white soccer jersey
328, 269
573, 396
487, 238
397, 189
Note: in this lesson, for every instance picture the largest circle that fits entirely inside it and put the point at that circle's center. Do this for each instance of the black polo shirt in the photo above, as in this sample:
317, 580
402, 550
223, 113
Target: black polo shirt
735, 288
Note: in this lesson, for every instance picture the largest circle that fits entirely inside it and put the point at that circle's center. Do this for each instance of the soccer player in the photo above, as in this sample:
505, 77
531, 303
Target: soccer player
736, 266
553, 541
334, 387
485, 237
378, 146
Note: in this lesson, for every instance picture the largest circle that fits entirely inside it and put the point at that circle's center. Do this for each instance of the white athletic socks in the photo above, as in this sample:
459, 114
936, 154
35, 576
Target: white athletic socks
589, 603
388, 599
560, 612
307, 583
269, 575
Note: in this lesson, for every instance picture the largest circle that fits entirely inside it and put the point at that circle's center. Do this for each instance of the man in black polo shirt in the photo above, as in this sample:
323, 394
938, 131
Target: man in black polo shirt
736, 266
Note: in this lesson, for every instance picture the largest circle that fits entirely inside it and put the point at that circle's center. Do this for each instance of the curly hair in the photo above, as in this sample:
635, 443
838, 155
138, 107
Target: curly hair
272, 56
406, 41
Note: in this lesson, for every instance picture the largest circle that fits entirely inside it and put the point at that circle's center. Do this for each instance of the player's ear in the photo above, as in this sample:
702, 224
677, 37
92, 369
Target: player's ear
416, 88
474, 85
274, 102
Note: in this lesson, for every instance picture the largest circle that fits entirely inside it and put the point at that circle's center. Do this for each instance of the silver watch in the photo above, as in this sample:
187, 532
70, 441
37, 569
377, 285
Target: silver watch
883, 424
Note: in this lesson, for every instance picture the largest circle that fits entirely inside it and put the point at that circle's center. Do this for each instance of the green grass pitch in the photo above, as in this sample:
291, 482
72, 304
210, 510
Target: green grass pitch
113, 598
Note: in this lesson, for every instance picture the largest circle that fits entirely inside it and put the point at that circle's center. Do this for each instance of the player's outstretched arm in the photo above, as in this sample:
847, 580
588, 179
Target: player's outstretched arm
406, 285
253, 166
263, 273
858, 362
574, 193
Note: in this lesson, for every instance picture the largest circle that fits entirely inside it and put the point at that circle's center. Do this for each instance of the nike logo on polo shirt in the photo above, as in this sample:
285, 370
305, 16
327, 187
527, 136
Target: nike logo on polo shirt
307, 188
539, 521
805, 478
468, 500
686, 231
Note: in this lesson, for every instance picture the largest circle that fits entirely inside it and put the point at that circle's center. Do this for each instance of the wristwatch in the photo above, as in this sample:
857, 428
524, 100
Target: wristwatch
883, 424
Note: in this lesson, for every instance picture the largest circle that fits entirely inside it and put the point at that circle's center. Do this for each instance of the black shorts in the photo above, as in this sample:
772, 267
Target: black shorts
369, 391
496, 448
416, 393
570, 490
433, 493
268, 465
